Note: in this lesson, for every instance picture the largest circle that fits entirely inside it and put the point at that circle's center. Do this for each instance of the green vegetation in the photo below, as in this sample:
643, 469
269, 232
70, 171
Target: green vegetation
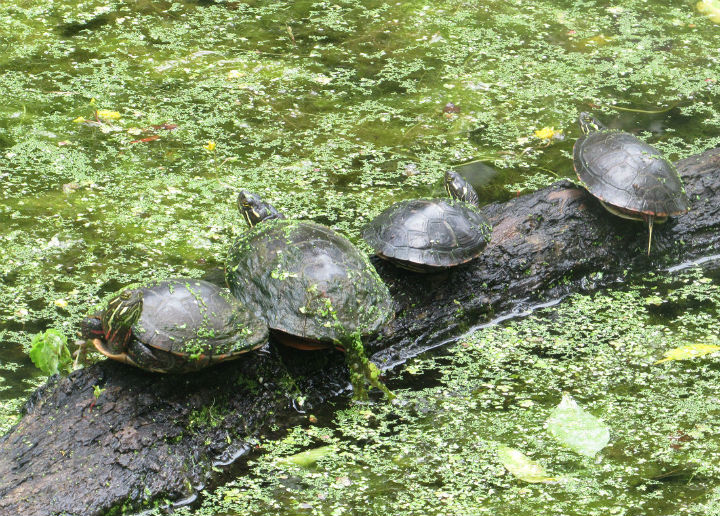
49, 352
494, 401
208, 416
344, 99
128, 127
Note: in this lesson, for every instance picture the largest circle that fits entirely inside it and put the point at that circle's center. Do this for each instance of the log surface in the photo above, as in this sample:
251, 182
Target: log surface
156, 437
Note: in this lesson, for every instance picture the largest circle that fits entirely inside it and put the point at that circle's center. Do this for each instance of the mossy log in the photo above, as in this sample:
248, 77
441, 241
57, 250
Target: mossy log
151, 438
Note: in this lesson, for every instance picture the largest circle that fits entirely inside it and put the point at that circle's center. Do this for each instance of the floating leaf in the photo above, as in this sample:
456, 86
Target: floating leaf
148, 139
49, 352
547, 133
166, 126
689, 352
108, 115
309, 457
577, 429
710, 8
521, 466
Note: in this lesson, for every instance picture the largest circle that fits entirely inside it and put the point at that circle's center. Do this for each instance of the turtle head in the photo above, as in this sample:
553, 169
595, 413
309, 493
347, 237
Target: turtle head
122, 312
255, 210
91, 327
458, 188
589, 124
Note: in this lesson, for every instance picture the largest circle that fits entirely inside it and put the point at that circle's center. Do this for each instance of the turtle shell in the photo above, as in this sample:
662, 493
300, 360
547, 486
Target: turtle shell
624, 171
429, 234
187, 324
307, 281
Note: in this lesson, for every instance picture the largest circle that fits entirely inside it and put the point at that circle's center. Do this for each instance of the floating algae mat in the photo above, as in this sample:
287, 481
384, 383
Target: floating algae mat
491, 424
127, 127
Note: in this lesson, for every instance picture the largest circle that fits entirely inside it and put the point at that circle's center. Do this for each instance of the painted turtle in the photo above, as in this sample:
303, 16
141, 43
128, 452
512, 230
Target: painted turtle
312, 286
427, 235
631, 179
174, 326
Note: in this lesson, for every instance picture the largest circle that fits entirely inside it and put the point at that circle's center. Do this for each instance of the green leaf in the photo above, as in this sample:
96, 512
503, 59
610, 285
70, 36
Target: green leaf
97, 391
309, 457
576, 429
689, 352
521, 466
49, 352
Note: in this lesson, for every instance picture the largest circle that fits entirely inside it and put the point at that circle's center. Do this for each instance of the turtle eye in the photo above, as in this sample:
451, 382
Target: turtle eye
125, 295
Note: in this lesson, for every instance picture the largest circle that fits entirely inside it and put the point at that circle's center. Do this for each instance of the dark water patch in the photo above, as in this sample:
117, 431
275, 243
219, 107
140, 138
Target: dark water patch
69, 30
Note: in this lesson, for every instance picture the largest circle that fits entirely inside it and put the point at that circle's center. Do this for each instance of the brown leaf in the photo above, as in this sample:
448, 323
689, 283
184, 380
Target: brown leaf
148, 139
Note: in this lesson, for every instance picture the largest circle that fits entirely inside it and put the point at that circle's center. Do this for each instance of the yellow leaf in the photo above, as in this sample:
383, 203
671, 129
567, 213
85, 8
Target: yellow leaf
79, 120
689, 352
710, 8
61, 303
546, 133
210, 146
107, 114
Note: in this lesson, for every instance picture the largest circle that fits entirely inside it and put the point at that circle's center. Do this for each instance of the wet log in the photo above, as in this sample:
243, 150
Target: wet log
152, 439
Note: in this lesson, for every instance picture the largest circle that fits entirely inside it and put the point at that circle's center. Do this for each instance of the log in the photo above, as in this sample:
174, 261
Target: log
153, 439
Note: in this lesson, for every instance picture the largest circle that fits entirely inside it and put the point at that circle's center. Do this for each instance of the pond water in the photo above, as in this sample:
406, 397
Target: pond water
435, 451
127, 128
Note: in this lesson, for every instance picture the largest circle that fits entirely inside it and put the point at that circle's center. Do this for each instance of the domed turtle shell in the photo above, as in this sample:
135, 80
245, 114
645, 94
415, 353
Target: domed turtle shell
307, 281
185, 325
624, 171
191, 316
429, 234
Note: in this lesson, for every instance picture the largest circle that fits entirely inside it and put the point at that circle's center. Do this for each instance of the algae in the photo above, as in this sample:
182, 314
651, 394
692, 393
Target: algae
434, 451
127, 129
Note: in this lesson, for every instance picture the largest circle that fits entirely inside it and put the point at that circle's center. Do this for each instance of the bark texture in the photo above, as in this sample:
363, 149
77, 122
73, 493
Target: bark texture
151, 438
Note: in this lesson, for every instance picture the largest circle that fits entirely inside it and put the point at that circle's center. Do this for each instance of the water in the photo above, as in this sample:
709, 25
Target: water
435, 450
331, 110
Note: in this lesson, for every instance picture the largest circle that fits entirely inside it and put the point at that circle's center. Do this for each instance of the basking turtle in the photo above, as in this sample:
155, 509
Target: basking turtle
427, 235
174, 326
312, 286
631, 179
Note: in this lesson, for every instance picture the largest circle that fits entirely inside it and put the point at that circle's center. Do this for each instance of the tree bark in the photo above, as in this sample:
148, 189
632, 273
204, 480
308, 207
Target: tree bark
153, 438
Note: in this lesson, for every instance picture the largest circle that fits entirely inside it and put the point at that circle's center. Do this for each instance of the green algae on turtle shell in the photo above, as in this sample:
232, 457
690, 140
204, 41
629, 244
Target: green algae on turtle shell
309, 282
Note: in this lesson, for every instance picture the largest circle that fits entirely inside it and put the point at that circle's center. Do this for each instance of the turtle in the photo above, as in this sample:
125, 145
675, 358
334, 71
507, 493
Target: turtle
631, 178
429, 235
176, 325
312, 286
